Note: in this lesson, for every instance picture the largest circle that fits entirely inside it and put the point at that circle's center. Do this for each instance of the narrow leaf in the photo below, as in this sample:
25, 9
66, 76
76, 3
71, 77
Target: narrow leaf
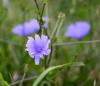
42, 75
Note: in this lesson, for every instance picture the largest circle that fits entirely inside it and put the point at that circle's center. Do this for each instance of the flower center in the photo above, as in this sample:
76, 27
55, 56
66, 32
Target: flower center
39, 49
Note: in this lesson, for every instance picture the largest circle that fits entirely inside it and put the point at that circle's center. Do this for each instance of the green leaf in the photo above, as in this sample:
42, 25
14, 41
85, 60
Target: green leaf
2, 82
42, 75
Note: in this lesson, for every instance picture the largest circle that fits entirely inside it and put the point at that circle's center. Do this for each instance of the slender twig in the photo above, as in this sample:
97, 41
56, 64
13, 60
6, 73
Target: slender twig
41, 20
11, 77
60, 25
59, 22
25, 79
73, 43
45, 62
55, 28
46, 7
25, 70
37, 6
49, 57
46, 13
22, 79
43, 9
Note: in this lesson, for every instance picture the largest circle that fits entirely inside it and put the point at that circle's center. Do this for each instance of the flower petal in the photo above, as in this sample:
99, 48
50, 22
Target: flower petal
31, 27
26, 28
37, 60
47, 52
18, 30
45, 41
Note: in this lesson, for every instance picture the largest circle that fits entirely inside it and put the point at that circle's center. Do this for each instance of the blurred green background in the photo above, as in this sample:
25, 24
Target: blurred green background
12, 47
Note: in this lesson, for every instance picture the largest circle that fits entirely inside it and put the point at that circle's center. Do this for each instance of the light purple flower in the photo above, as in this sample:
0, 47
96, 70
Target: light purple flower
45, 19
38, 47
78, 30
26, 28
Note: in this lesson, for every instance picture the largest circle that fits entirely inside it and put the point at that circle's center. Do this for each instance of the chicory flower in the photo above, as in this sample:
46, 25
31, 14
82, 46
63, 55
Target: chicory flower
38, 47
27, 28
78, 30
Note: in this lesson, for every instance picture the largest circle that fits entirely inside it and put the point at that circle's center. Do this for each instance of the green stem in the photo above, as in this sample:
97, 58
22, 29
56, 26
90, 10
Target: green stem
74, 43
37, 6
40, 19
56, 28
22, 79
25, 70
45, 62
49, 57
58, 24
59, 27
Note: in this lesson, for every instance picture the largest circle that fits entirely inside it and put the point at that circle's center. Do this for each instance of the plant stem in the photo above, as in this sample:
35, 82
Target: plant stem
40, 13
58, 24
49, 57
40, 19
22, 79
74, 43
25, 70
37, 6
25, 79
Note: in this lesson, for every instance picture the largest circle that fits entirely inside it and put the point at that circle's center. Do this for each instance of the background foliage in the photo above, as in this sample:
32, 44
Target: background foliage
12, 48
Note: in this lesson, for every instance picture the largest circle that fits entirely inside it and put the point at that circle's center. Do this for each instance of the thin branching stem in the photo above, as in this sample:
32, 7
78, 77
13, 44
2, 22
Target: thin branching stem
22, 79
25, 79
25, 70
57, 26
40, 19
49, 57
74, 43
37, 6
